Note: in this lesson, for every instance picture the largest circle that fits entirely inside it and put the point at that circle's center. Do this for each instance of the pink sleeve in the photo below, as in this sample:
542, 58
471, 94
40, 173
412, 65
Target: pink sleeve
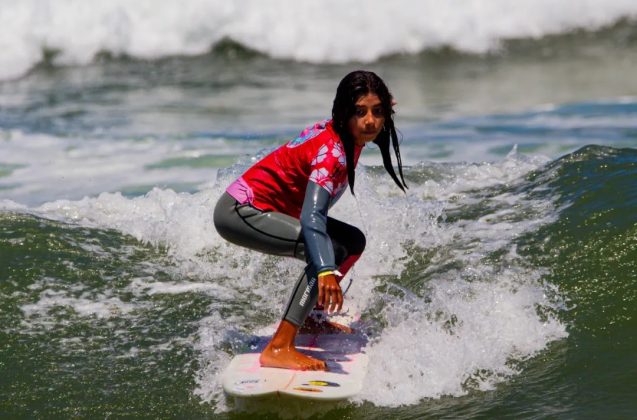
328, 166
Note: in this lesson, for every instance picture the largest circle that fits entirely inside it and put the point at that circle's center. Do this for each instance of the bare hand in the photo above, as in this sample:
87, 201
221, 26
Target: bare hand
330, 294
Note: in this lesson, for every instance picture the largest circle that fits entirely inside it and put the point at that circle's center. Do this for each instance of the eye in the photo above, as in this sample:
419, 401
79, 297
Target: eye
378, 112
360, 112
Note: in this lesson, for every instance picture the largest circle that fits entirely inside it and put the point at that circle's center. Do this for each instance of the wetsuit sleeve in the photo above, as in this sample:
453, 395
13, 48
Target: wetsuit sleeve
318, 246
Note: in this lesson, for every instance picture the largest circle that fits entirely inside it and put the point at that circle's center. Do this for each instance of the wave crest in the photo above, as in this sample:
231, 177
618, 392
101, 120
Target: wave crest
74, 32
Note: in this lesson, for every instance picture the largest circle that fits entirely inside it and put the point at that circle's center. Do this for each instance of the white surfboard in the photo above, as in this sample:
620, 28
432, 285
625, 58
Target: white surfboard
346, 362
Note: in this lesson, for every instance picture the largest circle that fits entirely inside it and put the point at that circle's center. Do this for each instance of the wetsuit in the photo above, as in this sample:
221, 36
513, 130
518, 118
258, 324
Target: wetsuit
279, 206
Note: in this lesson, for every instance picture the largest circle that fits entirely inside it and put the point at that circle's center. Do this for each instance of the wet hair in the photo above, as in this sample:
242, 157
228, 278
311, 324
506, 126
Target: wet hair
354, 86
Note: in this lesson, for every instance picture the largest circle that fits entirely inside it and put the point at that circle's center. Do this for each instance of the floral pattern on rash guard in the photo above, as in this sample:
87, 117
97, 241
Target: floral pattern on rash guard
322, 178
339, 154
278, 181
328, 166
320, 156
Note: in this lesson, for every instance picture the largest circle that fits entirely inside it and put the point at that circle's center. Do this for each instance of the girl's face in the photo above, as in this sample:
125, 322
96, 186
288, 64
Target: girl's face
368, 120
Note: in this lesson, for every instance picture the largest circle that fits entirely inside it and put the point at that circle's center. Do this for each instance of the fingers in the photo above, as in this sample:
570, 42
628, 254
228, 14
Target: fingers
336, 299
330, 293
339, 301
321, 286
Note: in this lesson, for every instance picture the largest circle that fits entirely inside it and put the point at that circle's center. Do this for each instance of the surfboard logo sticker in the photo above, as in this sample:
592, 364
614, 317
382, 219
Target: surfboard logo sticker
322, 383
247, 381
246, 384
307, 389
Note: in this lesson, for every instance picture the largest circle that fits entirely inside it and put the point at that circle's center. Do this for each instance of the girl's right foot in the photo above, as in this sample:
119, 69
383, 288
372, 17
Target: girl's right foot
281, 353
289, 358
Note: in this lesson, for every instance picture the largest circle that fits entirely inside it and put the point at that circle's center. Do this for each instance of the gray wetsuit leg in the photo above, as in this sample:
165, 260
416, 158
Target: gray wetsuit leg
270, 233
267, 232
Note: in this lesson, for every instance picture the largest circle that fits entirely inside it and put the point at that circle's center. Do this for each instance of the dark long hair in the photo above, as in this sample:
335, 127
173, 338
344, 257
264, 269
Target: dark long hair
353, 86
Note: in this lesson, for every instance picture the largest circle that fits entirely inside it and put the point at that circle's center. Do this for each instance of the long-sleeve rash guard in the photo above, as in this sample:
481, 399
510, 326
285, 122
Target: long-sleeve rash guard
302, 178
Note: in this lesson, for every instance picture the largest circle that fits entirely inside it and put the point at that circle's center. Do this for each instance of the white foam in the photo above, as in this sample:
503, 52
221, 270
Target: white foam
161, 217
172, 288
327, 31
462, 338
460, 329
494, 309
51, 167
102, 306
212, 332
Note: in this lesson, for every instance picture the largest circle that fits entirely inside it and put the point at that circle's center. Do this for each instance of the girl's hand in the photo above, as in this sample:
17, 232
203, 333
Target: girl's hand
330, 295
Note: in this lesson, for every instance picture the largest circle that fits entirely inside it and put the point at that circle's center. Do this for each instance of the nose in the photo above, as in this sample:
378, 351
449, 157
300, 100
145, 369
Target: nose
369, 118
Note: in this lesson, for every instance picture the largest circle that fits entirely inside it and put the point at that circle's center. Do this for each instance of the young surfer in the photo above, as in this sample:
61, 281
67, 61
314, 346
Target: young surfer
279, 206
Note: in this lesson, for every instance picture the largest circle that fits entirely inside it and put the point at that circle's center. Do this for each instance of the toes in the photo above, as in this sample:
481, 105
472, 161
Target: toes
310, 364
306, 364
319, 365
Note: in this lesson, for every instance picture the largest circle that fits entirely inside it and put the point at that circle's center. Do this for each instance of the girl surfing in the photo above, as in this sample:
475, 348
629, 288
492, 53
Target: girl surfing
280, 205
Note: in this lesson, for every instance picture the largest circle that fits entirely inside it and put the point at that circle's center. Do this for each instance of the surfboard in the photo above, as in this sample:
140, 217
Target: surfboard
346, 361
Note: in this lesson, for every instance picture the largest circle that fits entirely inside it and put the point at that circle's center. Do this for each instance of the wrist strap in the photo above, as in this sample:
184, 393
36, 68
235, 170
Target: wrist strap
330, 272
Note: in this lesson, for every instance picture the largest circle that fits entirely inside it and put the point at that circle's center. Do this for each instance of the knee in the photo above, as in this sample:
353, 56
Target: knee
358, 242
217, 218
222, 218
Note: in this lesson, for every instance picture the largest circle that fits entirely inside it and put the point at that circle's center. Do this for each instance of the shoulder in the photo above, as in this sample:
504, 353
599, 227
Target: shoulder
328, 147
320, 132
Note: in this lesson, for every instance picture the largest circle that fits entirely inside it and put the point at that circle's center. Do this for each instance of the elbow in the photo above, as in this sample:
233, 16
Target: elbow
310, 223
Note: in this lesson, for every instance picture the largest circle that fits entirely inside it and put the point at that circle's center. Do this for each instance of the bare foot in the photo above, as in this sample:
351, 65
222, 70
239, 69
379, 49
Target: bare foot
289, 358
281, 353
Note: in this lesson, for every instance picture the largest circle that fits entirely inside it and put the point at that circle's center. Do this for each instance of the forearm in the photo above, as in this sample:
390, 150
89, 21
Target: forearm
318, 245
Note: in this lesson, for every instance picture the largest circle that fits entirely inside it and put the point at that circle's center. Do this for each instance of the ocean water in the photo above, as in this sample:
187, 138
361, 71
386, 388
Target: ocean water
503, 284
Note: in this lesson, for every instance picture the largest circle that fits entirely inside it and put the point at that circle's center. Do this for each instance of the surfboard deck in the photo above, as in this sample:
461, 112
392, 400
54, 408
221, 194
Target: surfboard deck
346, 361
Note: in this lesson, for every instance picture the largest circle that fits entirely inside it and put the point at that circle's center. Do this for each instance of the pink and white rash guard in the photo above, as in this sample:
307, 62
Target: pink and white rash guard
278, 182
